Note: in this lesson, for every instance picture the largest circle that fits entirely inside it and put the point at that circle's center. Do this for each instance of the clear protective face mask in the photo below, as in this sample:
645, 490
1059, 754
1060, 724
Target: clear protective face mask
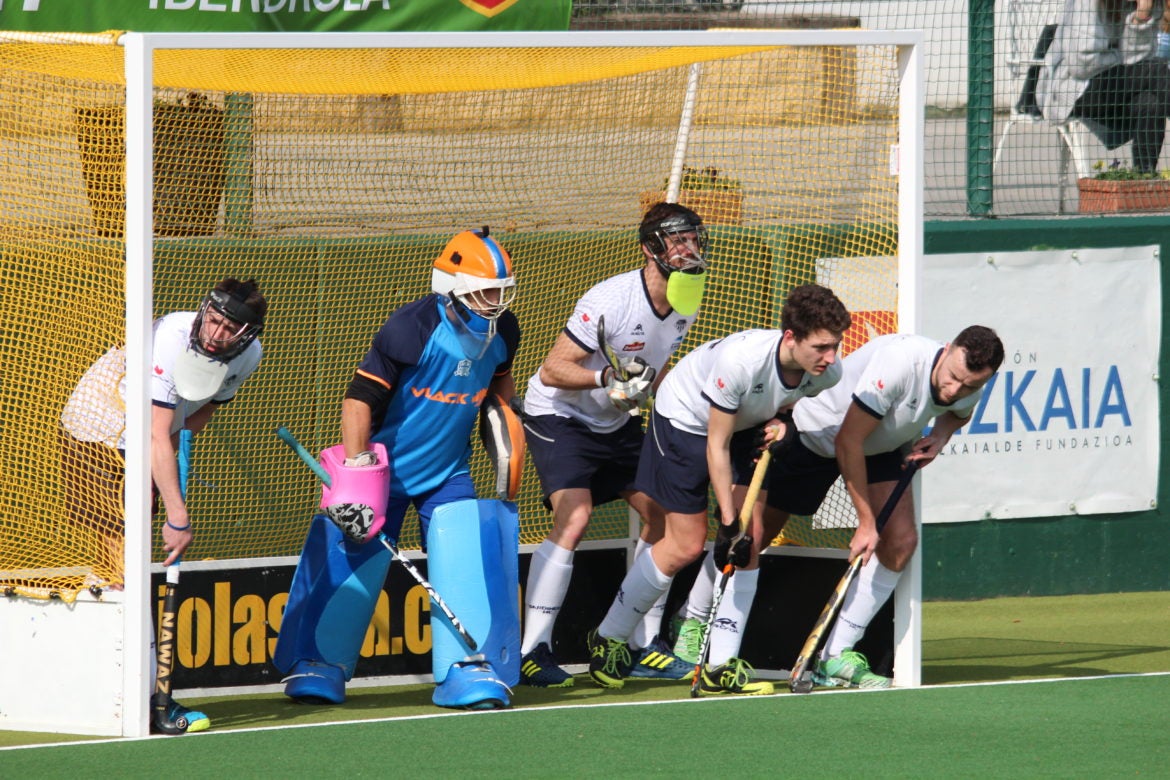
474, 332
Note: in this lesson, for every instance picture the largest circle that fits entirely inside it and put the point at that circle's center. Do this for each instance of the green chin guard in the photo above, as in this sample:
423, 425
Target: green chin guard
684, 292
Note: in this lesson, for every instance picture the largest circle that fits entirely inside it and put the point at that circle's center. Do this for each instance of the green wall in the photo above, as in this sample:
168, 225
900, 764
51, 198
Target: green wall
1061, 555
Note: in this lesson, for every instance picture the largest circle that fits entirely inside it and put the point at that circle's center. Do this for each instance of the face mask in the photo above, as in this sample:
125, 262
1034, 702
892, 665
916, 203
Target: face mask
684, 292
475, 333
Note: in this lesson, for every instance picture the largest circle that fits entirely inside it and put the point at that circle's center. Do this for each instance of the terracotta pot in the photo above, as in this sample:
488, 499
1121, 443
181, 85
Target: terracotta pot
1099, 196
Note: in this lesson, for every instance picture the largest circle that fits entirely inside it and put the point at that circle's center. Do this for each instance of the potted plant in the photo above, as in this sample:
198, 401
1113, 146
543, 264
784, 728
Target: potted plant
715, 198
1117, 188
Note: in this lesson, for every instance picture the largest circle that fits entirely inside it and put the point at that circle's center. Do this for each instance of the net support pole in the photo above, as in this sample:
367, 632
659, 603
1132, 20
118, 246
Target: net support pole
674, 184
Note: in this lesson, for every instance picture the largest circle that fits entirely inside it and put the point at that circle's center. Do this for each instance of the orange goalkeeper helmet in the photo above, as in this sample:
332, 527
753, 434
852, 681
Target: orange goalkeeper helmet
475, 272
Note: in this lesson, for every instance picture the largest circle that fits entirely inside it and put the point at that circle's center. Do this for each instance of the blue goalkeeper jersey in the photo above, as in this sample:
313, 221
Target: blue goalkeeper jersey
437, 391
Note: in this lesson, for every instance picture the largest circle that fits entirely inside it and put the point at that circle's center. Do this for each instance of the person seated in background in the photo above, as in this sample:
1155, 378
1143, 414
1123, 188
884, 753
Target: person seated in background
1102, 69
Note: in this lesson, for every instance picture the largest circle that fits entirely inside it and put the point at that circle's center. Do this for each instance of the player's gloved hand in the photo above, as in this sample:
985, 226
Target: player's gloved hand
362, 459
777, 446
355, 501
739, 553
631, 393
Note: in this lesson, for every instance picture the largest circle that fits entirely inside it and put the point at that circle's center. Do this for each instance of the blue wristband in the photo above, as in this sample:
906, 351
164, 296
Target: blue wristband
187, 527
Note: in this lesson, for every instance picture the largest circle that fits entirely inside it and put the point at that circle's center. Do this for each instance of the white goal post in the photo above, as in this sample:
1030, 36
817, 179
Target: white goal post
112, 682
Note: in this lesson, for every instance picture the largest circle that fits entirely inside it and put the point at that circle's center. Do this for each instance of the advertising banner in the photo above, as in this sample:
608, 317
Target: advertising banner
90, 16
1070, 424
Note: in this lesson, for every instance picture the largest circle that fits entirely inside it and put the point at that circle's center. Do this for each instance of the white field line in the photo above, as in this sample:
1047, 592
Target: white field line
538, 709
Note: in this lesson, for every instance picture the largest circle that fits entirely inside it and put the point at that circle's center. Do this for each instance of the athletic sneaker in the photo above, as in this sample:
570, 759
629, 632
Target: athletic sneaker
690, 640
734, 677
540, 670
849, 670
196, 721
609, 660
656, 662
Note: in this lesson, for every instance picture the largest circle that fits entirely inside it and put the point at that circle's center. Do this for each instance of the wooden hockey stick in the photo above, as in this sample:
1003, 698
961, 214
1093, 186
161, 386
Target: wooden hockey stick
801, 679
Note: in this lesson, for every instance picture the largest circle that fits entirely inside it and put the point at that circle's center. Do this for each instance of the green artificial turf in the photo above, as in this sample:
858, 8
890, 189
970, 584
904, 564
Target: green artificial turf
963, 642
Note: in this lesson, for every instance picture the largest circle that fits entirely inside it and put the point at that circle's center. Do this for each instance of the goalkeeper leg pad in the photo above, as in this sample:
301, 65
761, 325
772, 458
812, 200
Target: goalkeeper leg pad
473, 551
330, 603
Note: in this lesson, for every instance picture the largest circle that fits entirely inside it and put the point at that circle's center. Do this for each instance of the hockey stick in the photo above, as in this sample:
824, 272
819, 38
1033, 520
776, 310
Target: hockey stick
801, 679
610, 356
160, 701
745, 518
287, 437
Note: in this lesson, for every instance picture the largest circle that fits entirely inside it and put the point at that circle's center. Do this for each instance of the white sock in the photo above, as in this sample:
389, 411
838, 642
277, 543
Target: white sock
731, 620
869, 592
651, 625
699, 600
548, 581
641, 588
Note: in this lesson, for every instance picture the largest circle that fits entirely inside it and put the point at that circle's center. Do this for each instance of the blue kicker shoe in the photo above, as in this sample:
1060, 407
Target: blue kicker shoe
472, 685
315, 682
657, 662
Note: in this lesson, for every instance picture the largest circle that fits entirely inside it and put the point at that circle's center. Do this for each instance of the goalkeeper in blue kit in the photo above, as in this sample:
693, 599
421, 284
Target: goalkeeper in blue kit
406, 423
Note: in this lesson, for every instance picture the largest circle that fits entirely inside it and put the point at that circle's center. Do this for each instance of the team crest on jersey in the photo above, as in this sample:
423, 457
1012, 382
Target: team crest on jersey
634, 346
464, 368
680, 325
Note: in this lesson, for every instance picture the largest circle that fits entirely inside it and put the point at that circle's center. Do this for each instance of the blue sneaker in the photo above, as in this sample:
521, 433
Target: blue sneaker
315, 682
657, 662
540, 669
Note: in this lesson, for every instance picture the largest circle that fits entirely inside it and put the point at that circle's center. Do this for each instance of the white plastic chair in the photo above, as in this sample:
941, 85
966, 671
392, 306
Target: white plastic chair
1027, 22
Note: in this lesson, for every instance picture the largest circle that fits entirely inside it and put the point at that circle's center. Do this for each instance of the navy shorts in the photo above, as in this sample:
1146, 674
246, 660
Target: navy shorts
798, 479
673, 468
567, 454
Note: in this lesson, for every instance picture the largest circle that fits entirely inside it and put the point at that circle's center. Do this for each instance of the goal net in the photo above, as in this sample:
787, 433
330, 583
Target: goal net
334, 173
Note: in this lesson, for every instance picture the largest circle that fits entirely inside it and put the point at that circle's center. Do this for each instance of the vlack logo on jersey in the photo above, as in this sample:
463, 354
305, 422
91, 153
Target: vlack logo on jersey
1038, 410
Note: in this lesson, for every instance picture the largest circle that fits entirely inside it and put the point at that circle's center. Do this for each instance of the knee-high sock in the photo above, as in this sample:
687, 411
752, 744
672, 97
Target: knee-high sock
651, 624
873, 586
729, 624
643, 586
703, 591
548, 582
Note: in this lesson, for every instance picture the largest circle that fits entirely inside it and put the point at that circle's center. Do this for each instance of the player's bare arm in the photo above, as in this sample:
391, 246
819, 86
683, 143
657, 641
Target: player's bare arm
719, 430
356, 420
564, 368
164, 470
926, 449
850, 443
503, 385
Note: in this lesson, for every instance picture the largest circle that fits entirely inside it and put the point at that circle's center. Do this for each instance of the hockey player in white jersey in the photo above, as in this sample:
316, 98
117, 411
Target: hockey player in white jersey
701, 435
584, 431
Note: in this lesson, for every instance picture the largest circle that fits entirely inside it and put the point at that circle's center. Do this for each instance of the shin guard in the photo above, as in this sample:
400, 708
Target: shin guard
473, 550
330, 604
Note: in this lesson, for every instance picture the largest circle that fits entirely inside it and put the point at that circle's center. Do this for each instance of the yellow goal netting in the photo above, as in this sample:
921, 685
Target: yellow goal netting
335, 176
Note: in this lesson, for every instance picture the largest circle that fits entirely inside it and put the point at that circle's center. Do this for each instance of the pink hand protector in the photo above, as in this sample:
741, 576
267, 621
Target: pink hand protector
356, 501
